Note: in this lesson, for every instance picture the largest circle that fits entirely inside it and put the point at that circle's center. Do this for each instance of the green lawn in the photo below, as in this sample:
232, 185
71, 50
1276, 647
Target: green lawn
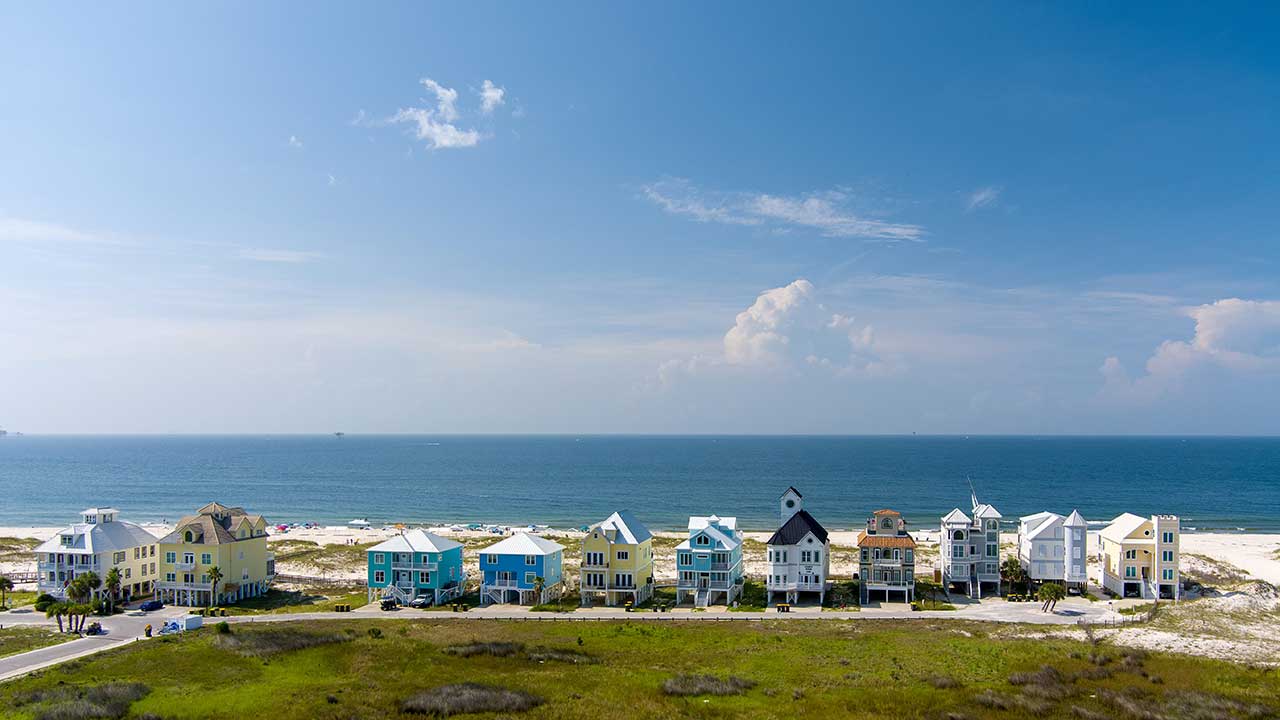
21, 638
821, 669
320, 599
17, 599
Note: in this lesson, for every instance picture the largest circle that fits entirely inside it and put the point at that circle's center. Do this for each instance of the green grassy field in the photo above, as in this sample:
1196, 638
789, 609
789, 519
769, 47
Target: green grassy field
911, 669
319, 599
17, 599
21, 638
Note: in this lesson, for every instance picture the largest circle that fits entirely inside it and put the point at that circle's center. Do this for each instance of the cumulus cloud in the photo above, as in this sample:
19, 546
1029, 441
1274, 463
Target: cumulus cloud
437, 125
827, 212
983, 197
1233, 334
294, 142
491, 97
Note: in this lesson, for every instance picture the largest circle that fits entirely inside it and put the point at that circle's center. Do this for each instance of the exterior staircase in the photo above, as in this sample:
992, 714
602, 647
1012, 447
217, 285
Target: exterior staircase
400, 595
702, 599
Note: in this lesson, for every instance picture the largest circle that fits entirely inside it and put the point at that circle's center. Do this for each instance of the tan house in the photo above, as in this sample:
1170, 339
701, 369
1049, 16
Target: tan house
1140, 557
227, 538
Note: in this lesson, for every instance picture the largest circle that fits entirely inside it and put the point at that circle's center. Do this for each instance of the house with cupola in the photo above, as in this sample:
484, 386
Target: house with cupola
799, 553
100, 542
524, 569
215, 536
416, 565
709, 563
1140, 557
886, 559
1053, 548
617, 562
969, 550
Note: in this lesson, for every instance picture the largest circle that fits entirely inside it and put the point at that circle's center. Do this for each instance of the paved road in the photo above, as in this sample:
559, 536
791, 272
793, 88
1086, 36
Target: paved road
120, 629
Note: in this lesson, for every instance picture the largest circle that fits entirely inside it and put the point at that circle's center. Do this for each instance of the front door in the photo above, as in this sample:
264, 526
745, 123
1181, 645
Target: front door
704, 581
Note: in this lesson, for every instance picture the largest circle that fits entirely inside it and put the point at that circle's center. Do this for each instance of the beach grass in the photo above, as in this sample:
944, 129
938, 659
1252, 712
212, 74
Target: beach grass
803, 669
23, 638
18, 598
317, 599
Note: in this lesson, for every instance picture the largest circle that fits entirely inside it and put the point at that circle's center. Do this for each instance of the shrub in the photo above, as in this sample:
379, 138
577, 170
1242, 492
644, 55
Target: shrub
43, 601
375, 633
687, 685
71, 702
496, 649
992, 699
264, 643
223, 628
943, 682
463, 698
1087, 714
1046, 675
573, 657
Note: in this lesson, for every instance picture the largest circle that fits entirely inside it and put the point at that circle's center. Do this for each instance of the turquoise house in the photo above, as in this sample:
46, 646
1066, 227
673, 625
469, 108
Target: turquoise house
523, 569
416, 564
709, 564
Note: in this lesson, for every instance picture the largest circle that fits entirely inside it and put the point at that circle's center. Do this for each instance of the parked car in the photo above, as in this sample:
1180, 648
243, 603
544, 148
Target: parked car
150, 605
388, 604
420, 602
94, 629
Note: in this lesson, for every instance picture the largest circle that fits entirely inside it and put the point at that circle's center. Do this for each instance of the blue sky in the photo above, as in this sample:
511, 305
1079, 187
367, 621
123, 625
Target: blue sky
1000, 218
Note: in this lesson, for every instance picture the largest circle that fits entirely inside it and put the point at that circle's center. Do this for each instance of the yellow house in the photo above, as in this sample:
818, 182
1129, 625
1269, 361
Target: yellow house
227, 538
1140, 557
617, 561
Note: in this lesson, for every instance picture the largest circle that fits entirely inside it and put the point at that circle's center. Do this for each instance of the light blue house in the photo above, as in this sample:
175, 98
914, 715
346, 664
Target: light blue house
416, 564
709, 563
523, 568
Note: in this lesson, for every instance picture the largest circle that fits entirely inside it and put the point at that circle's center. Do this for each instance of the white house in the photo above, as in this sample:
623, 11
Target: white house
969, 550
799, 552
96, 545
1052, 548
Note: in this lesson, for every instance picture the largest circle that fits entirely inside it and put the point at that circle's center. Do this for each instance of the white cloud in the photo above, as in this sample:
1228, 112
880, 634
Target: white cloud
826, 212
983, 197
19, 230
491, 96
294, 142
1233, 334
446, 99
332, 180
278, 256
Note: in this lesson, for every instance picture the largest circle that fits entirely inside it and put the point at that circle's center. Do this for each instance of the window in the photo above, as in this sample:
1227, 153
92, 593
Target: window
957, 551
1167, 556
67, 540
128, 573
153, 551
529, 578
135, 552
1167, 574
491, 559
1130, 554
187, 536
622, 579
992, 525
623, 555
685, 558
817, 556
424, 578
1166, 538
379, 558
206, 559
864, 554
595, 558
886, 524
204, 579
244, 575
117, 558
153, 568
702, 540
379, 576
189, 558
595, 580
992, 549
171, 557
804, 556
958, 535
169, 577
1130, 571
897, 554
241, 554
530, 559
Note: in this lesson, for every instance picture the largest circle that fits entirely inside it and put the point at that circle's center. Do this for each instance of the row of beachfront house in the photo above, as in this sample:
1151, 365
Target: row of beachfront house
219, 555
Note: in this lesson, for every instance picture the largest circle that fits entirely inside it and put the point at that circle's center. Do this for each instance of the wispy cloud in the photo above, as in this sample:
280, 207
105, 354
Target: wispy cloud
983, 197
332, 180
271, 255
294, 142
437, 125
827, 212
491, 97
20, 230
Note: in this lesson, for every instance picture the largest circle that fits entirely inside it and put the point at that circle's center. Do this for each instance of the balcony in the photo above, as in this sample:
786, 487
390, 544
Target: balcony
505, 584
177, 585
798, 586
425, 567
887, 562
592, 565
709, 585
184, 566
890, 583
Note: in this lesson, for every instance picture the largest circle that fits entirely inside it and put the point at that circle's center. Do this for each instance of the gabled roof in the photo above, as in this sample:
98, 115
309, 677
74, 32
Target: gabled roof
213, 531
986, 512
523, 544
1122, 527
1075, 519
796, 527
886, 511
697, 522
956, 517
630, 530
791, 488
723, 540
415, 540
1039, 523
98, 537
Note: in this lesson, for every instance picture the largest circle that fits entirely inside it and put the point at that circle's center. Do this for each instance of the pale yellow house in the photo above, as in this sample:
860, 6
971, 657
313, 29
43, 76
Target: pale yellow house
97, 545
617, 561
1140, 557
218, 536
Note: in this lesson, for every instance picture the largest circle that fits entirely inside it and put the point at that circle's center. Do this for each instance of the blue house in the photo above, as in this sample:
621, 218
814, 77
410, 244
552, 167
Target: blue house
416, 564
709, 563
523, 569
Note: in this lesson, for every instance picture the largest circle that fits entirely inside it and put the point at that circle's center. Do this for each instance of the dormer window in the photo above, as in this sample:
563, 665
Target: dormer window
68, 540
886, 523
702, 540
90, 519
187, 537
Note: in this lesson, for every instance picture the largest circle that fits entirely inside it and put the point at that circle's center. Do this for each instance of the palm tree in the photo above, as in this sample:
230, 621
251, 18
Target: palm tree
539, 583
1013, 573
1050, 594
6, 585
57, 610
113, 587
215, 575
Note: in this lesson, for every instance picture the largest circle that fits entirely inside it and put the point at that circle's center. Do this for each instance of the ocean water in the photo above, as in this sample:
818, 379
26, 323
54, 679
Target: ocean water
1213, 483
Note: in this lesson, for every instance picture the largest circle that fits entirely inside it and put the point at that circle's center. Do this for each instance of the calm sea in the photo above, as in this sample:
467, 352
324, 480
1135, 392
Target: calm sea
1213, 483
